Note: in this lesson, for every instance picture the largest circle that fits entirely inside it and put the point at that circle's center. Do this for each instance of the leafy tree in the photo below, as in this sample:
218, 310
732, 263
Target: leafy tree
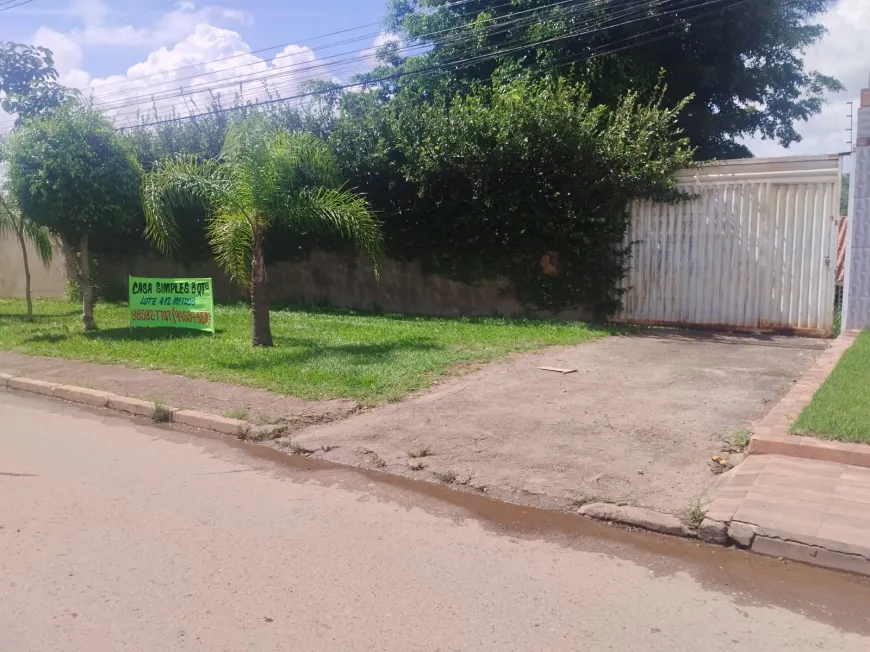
28, 79
521, 180
25, 231
264, 178
741, 62
71, 173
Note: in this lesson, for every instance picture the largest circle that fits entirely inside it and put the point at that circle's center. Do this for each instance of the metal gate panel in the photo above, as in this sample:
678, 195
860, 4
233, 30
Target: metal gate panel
753, 249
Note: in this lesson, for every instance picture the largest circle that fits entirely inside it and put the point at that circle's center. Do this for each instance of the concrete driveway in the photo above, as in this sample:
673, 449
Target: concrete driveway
637, 423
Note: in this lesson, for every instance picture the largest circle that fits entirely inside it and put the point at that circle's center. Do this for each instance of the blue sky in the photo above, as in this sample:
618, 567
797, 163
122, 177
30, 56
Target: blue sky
125, 53
268, 22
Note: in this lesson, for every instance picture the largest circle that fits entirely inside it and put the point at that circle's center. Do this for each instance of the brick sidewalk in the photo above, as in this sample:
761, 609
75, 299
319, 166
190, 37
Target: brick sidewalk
804, 510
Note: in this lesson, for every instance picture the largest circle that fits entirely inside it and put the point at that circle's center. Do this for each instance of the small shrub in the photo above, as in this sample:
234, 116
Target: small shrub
162, 414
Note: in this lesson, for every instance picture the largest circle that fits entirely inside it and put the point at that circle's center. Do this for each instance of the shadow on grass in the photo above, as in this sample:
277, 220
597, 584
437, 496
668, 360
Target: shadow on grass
38, 317
146, 334
293, 351
47, 338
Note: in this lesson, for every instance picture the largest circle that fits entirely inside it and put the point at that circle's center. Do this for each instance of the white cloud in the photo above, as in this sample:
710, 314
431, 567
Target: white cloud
209, 62
191, 53
67, 54
842, 53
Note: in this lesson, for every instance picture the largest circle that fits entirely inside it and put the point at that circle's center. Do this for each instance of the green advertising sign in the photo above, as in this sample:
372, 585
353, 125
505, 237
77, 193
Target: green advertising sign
172, 302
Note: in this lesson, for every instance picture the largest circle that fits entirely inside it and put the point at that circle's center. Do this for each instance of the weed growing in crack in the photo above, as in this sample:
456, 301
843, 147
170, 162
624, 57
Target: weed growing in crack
420, 451
738, 441
266, 419
693, 516
446, 477
298, 449
238, 414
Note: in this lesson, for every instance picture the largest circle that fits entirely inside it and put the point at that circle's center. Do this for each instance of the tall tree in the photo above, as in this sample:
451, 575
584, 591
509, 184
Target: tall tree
28, 80
741, 61
264, 178
71, 173
26, 232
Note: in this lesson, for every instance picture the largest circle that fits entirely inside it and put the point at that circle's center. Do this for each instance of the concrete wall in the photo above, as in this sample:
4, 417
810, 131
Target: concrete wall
344, 281
856, 289
44, 282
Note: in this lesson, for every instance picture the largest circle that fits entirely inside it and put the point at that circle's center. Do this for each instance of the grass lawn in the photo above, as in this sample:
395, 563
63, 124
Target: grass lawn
318, 354
841, 408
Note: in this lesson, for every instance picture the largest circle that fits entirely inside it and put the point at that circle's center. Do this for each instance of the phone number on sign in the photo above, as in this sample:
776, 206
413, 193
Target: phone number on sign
173, 316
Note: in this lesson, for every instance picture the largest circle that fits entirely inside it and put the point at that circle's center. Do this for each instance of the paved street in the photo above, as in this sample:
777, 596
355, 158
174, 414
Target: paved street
116, 535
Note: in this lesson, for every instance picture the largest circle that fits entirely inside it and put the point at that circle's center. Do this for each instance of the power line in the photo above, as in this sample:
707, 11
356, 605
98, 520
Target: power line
316, 66
401, 74
189, 93
601, 52
283, 71
323, 47
271, 75
460, 63
4, 6
260, 50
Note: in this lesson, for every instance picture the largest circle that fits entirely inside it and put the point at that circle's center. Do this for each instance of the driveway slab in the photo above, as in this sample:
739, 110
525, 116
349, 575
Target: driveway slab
637, 423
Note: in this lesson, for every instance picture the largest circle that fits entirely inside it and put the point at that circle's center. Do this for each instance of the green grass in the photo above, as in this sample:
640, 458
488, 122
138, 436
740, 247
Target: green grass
840, 410
318, 353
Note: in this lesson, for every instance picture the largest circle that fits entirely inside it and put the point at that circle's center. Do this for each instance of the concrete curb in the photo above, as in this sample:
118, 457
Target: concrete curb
816, 552
711, 530
771, 435
135, 406
639, 517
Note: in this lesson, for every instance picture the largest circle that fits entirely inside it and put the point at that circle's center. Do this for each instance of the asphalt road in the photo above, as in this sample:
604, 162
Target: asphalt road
122, 536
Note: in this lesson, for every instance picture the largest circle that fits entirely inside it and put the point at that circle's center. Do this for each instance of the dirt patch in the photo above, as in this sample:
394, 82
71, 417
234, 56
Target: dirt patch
638, 422
260, 406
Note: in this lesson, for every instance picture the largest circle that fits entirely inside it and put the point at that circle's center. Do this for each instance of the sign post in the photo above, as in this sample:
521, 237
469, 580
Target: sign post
172, 303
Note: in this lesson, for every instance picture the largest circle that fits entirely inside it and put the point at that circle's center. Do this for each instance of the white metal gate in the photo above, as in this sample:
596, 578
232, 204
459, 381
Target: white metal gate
755, 249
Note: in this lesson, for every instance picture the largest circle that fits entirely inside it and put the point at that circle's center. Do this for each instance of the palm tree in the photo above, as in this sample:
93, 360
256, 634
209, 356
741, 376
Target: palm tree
26, 231
262, 179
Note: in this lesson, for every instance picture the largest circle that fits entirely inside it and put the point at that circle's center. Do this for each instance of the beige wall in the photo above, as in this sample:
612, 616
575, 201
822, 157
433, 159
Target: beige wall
44, 282
339, 280
344, 281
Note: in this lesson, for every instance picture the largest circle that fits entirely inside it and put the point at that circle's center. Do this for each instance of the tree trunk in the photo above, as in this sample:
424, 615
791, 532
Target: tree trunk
87, 288
23, 242
261, 331
79, 264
